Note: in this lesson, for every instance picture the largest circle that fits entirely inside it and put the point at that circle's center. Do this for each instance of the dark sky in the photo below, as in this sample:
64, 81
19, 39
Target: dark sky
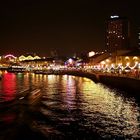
69, 26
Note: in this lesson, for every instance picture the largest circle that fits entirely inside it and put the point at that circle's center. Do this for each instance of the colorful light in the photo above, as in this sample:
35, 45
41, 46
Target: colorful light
10, 55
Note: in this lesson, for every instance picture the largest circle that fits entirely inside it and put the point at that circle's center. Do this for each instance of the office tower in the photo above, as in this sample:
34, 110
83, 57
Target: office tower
117, 33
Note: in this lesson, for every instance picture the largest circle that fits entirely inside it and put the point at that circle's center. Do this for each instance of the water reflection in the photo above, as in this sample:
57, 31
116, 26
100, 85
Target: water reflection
75, 108
8, 86
110, 113
92, 106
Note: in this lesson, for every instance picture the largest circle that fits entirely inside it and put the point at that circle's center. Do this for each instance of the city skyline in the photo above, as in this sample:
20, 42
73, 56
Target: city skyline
67, 27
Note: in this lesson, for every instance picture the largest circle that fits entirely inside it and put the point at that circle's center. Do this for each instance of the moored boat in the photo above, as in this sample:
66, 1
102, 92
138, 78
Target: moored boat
16, 69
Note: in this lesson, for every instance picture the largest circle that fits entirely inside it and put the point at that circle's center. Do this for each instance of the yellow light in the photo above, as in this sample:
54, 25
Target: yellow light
135, 58
127, 64
37, 57
107, 60
22, 58
103, 62
112, 65
30, 57
126, 57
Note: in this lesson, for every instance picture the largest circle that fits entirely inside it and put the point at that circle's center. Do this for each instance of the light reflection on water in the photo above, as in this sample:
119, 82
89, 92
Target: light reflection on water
8, 87
113, 113
74, 106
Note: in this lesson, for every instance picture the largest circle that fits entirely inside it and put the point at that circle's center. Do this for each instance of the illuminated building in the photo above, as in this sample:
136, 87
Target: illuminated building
117, 34
132, 58
29, 57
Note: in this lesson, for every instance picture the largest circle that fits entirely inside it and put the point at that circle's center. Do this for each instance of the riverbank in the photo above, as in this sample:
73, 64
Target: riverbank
123, 83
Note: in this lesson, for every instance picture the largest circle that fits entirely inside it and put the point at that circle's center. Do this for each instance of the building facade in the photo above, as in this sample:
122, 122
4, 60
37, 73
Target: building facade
117, 33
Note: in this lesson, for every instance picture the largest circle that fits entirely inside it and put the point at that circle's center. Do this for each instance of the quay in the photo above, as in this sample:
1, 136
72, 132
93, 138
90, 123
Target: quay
122, 82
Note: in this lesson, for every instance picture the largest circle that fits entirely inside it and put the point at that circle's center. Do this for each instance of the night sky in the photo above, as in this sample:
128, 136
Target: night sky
69, 26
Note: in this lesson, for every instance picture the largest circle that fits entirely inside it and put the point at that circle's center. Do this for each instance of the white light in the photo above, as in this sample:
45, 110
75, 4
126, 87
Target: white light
70, 61
115, 16
92, 53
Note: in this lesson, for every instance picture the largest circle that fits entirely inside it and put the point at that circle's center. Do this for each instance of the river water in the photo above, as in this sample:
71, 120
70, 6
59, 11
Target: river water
70, 108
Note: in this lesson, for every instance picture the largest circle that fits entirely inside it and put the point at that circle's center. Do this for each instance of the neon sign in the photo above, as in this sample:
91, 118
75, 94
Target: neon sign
10, 55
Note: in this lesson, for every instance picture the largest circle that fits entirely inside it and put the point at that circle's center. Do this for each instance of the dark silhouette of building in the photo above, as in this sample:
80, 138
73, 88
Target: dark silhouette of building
139, 37
117, 33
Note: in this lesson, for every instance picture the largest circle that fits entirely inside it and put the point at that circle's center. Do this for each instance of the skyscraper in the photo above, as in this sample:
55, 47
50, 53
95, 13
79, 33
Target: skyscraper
117, 33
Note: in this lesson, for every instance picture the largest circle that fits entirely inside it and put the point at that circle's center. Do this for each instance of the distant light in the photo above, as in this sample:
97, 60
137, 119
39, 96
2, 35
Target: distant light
70, 61
127, 64
126, 57
139, 65
10, 55
107, 60
90, 54
135, 58
103, 62
115, 16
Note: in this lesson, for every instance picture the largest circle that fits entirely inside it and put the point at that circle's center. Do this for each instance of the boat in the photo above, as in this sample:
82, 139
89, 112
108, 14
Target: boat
16, 69
47, 72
